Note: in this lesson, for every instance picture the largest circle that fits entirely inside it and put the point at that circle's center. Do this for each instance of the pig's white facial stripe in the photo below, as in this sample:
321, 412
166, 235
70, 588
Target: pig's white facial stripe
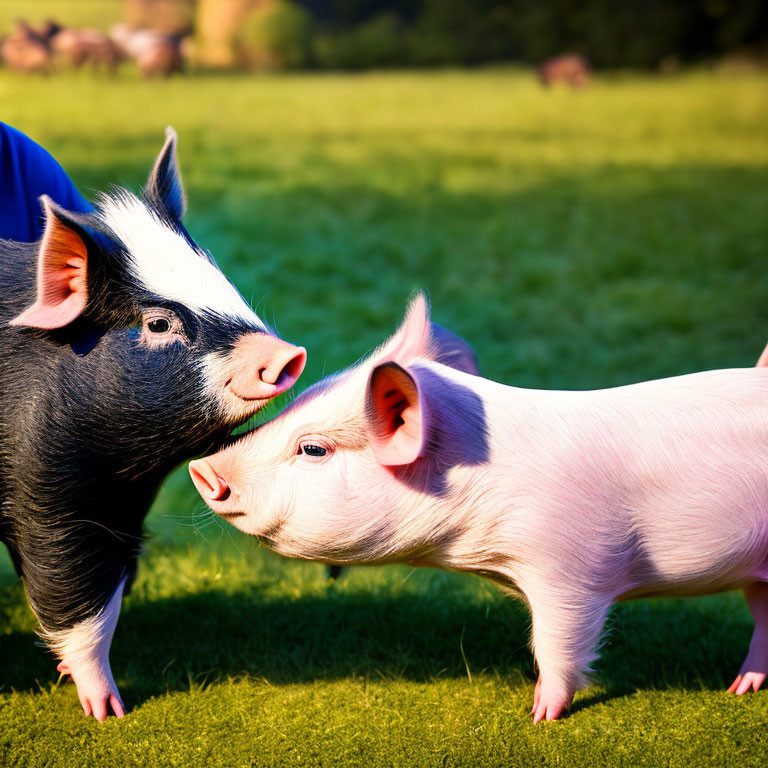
165, 264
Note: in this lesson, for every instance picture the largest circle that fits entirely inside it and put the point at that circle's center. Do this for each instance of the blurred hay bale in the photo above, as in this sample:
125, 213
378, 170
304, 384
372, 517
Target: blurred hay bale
216, 25
214, 29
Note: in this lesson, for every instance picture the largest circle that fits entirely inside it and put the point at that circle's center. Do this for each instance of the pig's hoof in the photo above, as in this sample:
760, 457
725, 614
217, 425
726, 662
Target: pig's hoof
101, 706
536, 696
549, 705
99, 700
746, 682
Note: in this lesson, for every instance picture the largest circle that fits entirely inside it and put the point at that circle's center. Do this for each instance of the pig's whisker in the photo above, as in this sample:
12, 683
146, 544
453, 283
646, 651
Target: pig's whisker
260, 302
203, 518
229, 533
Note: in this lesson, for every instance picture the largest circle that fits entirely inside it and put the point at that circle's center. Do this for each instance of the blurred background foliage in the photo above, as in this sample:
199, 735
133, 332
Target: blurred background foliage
361, 34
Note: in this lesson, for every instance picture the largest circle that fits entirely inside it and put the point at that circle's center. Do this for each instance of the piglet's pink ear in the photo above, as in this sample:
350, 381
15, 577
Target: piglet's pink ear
397, 415
62, 287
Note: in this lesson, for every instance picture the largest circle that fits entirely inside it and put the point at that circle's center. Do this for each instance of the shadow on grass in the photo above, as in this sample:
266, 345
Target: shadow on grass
170, 645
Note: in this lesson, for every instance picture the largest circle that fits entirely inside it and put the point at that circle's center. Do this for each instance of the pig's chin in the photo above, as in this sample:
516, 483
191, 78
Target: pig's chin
265, 528
237, 410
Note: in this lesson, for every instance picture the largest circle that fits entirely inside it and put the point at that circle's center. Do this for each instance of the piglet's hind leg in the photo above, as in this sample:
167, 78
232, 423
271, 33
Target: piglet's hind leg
755, 667
84, 654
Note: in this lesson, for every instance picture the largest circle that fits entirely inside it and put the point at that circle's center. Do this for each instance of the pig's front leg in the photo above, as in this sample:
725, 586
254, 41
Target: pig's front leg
755, 667
566, 628
84, 654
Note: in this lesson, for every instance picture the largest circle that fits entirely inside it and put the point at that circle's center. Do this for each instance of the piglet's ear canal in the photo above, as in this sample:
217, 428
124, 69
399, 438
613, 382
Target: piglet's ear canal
397, 415
164, 188
62, 268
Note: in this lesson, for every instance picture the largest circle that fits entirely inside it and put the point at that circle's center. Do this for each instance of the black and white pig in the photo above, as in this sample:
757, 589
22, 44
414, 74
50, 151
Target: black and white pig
123, 351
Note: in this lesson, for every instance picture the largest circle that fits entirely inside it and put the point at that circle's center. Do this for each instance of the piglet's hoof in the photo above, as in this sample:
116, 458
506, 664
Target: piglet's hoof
746, 682
549, 703
97, 693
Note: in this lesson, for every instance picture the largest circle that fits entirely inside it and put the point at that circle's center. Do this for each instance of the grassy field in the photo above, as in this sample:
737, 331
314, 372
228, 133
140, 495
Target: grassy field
577, 240
74, 13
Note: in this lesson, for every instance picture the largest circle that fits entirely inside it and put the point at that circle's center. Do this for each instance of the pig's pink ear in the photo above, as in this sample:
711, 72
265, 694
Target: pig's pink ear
397, 415
763, 359
62, 287
413, 338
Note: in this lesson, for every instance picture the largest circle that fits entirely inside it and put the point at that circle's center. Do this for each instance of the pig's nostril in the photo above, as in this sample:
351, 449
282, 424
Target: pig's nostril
223, 494
284, 376
266, 367
292, 370
210, 486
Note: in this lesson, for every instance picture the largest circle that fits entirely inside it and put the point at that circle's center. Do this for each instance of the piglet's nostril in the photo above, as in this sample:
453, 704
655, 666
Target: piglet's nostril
208, 483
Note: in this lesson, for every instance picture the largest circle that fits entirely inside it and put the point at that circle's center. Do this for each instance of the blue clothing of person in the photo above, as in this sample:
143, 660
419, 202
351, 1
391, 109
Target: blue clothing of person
26, 172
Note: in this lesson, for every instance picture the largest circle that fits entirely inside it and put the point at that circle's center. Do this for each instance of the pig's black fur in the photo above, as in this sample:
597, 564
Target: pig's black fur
91, 421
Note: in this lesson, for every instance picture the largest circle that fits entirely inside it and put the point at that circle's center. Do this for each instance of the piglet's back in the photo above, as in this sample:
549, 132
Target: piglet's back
674, 473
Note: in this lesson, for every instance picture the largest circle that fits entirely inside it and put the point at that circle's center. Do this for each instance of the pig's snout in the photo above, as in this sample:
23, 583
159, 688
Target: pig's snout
208, 483
214, 489
265, 366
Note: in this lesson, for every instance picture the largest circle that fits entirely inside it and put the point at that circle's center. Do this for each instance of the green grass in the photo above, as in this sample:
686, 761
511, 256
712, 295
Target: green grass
577, 240
72, 13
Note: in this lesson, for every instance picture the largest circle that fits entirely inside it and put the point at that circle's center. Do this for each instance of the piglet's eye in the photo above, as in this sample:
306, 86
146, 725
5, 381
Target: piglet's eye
310, 449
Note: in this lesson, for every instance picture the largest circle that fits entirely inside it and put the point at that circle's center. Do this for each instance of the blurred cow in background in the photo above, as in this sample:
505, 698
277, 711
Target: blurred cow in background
26, 49
155, 53
40, 49
49, 46
76, 47
47, 30
570, 68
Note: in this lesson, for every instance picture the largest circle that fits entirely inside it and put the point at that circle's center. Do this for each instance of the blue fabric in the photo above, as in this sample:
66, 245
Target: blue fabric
26, 172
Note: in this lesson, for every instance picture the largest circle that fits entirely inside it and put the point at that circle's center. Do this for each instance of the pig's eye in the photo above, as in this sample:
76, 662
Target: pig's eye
160, 327
310, 449
315, 448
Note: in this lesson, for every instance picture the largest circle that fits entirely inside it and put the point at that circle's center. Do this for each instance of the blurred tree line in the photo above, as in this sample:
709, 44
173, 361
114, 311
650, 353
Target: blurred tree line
358, 34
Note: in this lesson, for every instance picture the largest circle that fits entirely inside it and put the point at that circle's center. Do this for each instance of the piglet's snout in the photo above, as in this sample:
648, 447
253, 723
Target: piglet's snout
210, 485
265, 366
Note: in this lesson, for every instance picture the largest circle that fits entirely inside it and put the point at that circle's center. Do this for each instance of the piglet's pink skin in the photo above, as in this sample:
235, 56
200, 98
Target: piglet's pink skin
574, 500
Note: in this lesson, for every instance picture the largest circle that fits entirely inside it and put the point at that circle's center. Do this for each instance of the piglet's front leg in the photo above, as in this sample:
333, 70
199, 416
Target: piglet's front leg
84, 654
566, 628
